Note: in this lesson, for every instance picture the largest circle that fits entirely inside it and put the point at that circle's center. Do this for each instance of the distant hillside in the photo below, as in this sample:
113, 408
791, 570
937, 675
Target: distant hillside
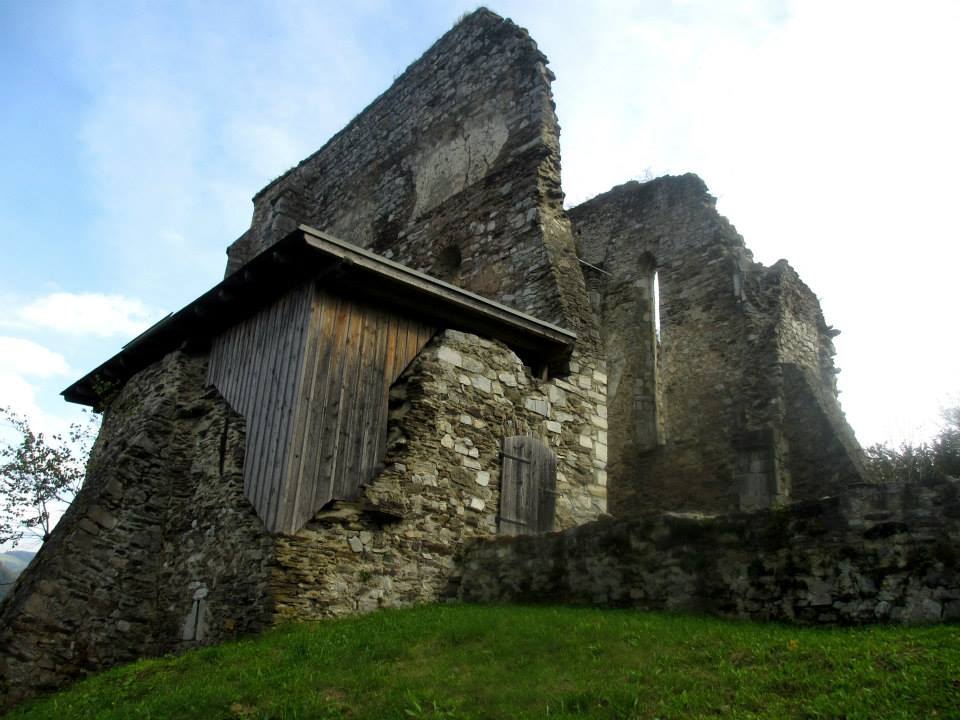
12, 563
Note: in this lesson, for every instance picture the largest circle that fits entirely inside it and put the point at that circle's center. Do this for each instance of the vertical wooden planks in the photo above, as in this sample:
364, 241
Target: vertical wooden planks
311, 374
305, 405
256, 366
343, 442
528, 479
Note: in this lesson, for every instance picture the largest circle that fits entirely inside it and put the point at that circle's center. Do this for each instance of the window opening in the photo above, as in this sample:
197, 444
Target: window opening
656, 303
447, 265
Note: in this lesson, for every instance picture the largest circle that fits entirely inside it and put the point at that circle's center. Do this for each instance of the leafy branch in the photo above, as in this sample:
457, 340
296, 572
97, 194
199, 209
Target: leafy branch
37, 472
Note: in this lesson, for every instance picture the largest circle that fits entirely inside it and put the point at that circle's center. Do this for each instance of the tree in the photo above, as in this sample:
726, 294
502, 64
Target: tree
913, 463
36, 473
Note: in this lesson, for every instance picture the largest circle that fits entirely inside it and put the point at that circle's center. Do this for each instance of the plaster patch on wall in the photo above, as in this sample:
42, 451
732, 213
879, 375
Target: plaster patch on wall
441, 171
354, 221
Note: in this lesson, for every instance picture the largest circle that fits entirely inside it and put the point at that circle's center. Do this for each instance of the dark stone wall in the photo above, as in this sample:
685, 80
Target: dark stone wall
704, 419
459, 158
159, 551
879, 554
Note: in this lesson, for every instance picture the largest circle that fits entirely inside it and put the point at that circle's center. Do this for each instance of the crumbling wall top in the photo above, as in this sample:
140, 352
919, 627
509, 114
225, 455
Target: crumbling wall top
454, 170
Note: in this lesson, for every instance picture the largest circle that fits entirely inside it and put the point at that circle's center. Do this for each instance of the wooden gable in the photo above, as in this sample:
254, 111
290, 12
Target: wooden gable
311, 374
305, 341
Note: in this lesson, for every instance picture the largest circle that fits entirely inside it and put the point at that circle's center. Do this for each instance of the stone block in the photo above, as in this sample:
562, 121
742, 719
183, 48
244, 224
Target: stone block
102, 517
450, 356
482, 384
537, 405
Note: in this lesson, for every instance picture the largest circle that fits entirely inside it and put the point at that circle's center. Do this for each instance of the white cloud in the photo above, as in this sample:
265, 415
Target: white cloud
25, 357
21, 359
18, 394
87, 314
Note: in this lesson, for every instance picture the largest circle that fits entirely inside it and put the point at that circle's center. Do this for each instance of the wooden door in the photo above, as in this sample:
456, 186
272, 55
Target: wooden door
528, 481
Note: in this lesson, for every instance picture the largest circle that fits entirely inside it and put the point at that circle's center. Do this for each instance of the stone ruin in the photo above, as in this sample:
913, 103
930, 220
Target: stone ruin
394, 408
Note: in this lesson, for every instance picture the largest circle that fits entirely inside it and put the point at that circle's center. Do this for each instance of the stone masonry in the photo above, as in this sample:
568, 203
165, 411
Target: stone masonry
454, 171
734, 405
160, 550
398, 542
877, 554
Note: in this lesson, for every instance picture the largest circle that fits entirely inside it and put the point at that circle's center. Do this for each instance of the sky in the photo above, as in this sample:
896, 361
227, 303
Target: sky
134, 135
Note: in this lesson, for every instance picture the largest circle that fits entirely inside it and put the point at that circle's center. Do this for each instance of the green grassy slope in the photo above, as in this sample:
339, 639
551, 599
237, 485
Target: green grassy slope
460, 661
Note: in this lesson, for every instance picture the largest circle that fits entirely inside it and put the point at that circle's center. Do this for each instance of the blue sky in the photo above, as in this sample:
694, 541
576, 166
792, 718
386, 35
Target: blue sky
135, 133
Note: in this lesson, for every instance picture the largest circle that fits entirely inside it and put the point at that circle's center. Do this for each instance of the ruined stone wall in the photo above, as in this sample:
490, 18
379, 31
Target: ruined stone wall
454, 170
823, 453
703, 419
879, 554
160, 549
396, 544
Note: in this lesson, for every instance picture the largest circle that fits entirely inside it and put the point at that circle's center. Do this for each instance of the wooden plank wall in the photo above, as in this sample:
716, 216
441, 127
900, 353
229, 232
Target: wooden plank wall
257, 366
528, 481
312, 374
355, 352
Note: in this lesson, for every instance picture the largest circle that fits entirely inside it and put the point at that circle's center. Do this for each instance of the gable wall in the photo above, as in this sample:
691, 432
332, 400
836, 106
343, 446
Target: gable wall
460, 152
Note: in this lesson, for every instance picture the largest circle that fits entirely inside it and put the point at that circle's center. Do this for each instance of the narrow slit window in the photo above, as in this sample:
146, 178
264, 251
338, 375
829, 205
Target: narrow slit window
656, 303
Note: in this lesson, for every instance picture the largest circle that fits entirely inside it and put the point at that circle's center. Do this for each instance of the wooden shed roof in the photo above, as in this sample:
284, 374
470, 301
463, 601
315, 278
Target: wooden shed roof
343, 269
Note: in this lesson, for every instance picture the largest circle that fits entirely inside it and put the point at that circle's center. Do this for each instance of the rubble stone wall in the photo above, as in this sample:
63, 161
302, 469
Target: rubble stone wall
159, 551
879, 554
396, 544
701, 418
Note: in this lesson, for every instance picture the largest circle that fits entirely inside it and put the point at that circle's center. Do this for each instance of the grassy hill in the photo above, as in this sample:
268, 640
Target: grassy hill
460, 661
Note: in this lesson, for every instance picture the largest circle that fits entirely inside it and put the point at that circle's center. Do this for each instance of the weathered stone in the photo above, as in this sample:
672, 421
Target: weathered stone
482, 384
128, 503
449, 355
812, 562
732, 403
537, 405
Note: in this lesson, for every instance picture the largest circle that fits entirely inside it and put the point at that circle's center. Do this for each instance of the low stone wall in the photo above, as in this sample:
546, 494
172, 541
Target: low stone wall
396, 544
880, 554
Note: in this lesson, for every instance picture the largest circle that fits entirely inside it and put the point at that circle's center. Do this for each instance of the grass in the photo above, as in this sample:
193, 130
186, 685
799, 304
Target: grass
462, 661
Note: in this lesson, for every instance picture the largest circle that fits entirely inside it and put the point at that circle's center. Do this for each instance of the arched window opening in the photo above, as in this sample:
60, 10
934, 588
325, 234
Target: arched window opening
447, 265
